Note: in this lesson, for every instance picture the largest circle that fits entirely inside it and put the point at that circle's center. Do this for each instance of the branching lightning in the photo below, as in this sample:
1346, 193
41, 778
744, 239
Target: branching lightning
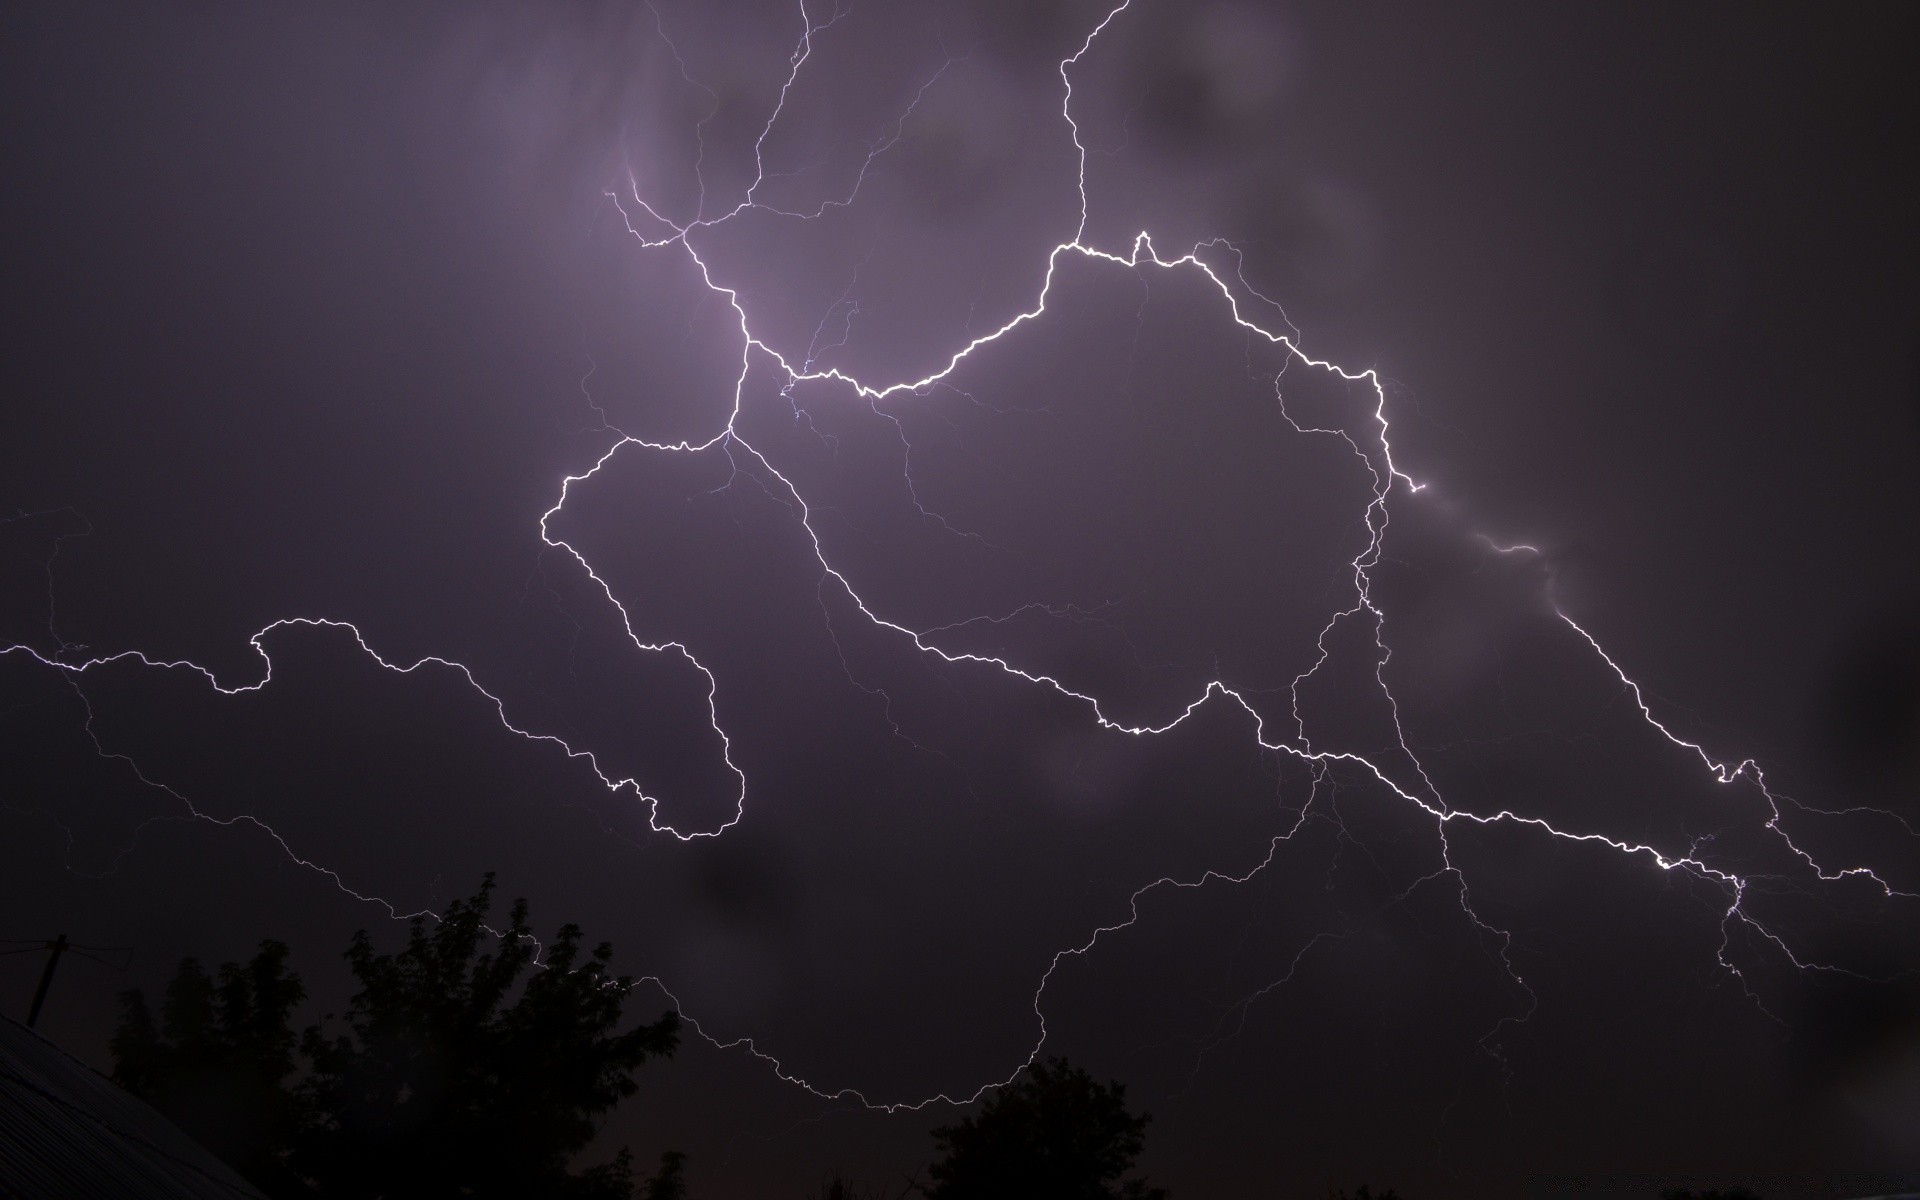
1403, 775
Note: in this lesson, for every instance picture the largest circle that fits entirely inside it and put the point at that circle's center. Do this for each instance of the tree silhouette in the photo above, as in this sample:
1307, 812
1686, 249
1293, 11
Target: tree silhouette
669, 1183
1053, 1134
439, 1086
219, 1059
838, 1186
456, 1072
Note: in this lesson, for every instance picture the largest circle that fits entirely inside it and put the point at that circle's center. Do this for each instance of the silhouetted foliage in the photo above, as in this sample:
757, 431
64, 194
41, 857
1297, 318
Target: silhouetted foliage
457, 1072
836, 1186
219, 1059
1709, 1194
1052, 1134
669, 1183
1363, 1192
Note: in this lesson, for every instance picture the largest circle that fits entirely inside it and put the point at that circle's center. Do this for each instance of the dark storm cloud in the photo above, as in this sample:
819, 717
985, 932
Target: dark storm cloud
313, 309
1207, 81
1868, 718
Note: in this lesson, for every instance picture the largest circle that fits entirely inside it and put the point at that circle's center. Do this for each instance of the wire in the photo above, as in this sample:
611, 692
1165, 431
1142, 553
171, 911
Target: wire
38, 945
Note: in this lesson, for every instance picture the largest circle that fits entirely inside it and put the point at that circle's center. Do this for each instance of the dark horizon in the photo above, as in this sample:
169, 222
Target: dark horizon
1423, 692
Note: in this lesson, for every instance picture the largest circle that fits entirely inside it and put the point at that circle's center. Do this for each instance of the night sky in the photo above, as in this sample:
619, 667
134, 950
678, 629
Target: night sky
1189, 679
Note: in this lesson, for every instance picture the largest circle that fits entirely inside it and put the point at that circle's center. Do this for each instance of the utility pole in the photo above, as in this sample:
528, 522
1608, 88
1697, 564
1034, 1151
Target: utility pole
59, 947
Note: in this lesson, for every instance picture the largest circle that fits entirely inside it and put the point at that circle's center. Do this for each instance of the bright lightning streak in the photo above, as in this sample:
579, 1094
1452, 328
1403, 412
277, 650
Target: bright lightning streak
1407, 780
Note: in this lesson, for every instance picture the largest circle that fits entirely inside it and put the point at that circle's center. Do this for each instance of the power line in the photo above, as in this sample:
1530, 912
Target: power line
57, 947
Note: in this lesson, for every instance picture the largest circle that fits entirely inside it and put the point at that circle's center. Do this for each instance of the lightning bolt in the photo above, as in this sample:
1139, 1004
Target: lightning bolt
1399, 771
